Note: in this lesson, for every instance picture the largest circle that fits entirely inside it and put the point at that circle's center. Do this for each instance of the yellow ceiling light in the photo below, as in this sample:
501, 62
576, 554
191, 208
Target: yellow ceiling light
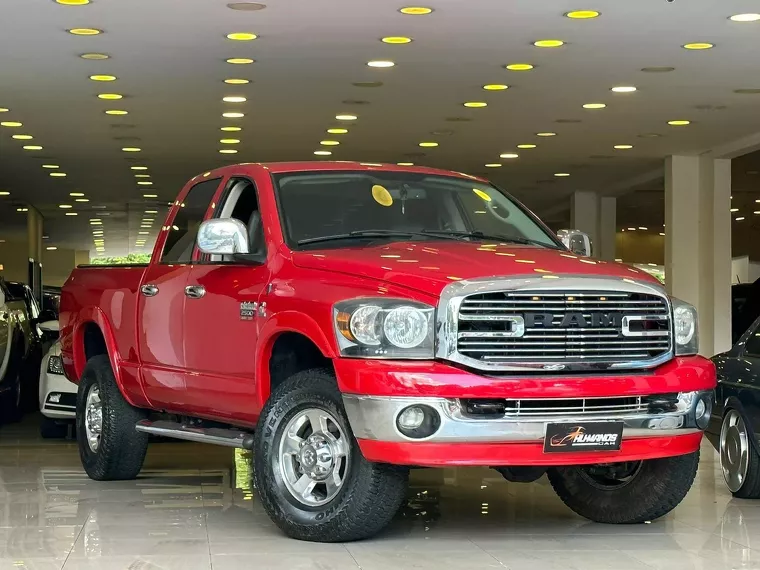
329, 143
233, 115
110, 96
594, 106
404, 164
242, 36
699, 46
138, 168
150, 195
103, 77
322, 152
623, 89
234, 99
229, 141
32, 147
509, 155
50, 166
145, 183
561, 174
4, 193
22, 209
527, 145
11, 124
73, 2
495, 87
23, 137
58, 174
4, 109
745, 17
234, 81
346, 117
396, 40
131, 149
428, 144
416, 10
227, 151
65, 206
117, 112
475, 104
85, 31
380, 63
76, 194
81, 200
548, 134
519, 67
95, 56
337, 131
623, 146
493, 165
679, 123
239, 60
549, 43
582, 14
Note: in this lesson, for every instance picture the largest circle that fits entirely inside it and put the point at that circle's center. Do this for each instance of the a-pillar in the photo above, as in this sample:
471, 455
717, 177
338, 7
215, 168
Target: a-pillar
596, 216
698, 243
34, 234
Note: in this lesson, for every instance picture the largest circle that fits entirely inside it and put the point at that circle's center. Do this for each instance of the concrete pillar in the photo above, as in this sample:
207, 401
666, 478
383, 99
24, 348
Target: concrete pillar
34, 234
698, 243
607, 228
596, 216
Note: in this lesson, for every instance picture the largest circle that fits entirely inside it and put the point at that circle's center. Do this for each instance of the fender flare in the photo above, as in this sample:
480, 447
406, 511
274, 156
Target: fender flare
733, 403
96, 316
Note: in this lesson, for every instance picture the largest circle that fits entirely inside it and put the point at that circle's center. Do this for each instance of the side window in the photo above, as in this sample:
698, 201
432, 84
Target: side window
242, 204
752, 347
182, 234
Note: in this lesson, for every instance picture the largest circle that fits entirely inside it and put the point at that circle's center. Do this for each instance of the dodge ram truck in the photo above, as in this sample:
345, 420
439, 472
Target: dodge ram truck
350, 321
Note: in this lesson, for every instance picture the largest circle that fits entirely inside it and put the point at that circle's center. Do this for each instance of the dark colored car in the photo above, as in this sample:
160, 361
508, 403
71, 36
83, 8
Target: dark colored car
745, 308
734, 429
51, 301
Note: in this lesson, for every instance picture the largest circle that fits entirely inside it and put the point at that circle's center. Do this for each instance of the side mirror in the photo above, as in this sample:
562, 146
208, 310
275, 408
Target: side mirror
225, 236
49, 326
576, 241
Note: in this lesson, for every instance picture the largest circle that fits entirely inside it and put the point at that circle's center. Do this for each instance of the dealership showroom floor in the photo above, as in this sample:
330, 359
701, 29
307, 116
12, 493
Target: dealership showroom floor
193, 509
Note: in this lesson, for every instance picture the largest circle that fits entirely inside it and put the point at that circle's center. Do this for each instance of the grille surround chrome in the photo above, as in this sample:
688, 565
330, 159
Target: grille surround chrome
454, 294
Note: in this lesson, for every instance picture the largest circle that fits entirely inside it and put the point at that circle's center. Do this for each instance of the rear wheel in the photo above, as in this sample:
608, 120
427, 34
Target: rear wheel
625, 493
739, 461
309, 471
109, 445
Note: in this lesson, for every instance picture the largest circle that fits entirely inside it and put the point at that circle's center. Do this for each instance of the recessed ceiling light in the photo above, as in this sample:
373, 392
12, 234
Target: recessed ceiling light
231, 129
493, 165
509, 155
548, 43
346, 117
519, 67
65, 206
73, 2
527, 146
234, 99
58, 174
227, 151
322, 152
548, 134
23, 137
117, 112
739, 219
495, 87
138, 168
624, 89
50, 166
594, 106
416, 10
103, 77
95, 56
233, 115
229, 141
51, 248
81, 200
76, 194
396, 40
4, 193
734, 209
11, 124
144, 183
22, 209
329, 143
337, 131
562, 174
582, 14
4, 109
246, 6
239, 60
745, 17
405, 163
698, 46
623, 146
242, 36
110, 96
428, 144
32, 147
475, 104
85, 31
380, 63
150, 195
131, 149
234, 81
679, 123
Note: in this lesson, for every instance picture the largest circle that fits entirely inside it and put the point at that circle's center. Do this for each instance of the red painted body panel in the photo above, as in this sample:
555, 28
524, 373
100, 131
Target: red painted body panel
497, 454
197, 357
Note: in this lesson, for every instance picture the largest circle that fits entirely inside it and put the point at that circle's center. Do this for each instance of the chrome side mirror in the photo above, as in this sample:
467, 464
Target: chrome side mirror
576, 241
225, 236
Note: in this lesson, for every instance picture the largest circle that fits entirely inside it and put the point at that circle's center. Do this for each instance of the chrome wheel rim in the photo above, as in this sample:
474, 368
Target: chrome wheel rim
93, 418
314, 455
734, 450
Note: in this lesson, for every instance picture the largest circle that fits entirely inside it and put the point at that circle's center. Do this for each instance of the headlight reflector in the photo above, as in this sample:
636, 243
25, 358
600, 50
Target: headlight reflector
685, 328
365, 325
406, 327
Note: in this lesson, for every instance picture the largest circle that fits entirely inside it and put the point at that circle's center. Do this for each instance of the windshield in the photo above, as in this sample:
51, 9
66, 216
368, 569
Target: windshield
339, 209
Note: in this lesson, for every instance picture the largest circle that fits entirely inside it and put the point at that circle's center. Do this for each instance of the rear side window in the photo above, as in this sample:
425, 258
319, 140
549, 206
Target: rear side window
184, 229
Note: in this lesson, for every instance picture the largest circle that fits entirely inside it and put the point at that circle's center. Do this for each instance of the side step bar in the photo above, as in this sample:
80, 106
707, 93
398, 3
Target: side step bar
215, 436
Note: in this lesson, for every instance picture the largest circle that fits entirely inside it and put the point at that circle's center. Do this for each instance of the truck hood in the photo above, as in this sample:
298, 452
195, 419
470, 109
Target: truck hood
430, 266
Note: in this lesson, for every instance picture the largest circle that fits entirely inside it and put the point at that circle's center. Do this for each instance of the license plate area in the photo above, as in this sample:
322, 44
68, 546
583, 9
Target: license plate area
583, 436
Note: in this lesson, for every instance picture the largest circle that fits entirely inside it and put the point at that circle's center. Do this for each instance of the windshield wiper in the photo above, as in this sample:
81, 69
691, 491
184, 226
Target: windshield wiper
490, 237
373, 234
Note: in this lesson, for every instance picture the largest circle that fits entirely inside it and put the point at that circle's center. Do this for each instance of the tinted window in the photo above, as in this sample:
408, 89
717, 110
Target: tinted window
182, 234
752, 346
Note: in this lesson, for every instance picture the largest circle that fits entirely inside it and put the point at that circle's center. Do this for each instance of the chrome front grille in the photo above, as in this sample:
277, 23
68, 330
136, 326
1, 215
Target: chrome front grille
555, 408
559, 329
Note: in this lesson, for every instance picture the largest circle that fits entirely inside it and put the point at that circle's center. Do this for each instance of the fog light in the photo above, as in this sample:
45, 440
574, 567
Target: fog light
418, 422
699, 411
54, 398
703, 410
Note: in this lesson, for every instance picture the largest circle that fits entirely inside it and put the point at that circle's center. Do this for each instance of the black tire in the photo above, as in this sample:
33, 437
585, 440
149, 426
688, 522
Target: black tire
121, 451
11, 400
53, 429
371, 493
656, 488
750, 487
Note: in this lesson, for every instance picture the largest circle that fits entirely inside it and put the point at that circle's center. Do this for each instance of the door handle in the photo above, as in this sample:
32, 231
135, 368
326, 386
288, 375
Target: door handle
195, 291
149, 290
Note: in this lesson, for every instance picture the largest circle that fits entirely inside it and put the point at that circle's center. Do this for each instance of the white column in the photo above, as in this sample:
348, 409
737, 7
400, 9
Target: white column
607, 228
698, 242
596, 216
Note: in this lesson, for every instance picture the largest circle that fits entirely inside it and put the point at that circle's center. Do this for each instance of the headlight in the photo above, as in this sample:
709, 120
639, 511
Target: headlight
685, 328
55, 365
384, 328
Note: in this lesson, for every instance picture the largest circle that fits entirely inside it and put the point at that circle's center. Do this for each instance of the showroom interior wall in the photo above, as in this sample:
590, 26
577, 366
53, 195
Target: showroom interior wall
56, 264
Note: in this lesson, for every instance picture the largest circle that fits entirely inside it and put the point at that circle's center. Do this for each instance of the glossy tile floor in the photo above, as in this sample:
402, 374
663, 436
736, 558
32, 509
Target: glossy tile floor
193, 509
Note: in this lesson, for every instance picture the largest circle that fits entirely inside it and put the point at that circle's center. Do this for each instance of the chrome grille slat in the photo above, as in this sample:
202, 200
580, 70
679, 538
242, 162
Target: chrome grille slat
526, 408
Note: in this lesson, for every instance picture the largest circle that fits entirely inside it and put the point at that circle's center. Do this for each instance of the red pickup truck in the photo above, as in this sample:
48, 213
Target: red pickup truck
350, 321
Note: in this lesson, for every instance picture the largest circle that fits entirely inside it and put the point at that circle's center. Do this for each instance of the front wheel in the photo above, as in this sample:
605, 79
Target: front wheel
626, 493
739, 461
309, 471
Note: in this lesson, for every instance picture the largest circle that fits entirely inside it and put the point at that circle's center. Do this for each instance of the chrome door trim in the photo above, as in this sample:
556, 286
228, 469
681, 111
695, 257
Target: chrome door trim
149, 290
195, 291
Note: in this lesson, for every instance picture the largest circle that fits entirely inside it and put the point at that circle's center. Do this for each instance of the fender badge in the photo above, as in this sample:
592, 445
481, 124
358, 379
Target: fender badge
247, 310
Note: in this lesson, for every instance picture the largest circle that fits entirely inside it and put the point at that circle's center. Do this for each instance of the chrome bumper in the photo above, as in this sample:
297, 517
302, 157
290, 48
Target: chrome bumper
374, 418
